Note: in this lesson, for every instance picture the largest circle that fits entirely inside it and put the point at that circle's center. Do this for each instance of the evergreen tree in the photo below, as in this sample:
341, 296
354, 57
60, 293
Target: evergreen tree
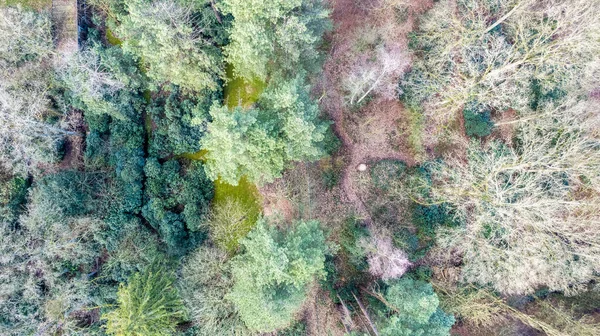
267, 34
259, 143
271, 276
170, 40
149, 305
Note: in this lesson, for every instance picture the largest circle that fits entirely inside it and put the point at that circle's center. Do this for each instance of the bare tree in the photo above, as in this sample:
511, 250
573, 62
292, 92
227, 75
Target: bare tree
530, 214
378, 74
490, 51
90, 80
385, 260
26, 136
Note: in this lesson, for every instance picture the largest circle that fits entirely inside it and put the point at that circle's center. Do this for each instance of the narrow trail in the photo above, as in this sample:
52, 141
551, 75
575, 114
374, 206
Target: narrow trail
349, 16
64, 17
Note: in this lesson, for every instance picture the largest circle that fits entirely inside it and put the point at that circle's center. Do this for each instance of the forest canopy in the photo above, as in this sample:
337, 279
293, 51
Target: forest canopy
300, 167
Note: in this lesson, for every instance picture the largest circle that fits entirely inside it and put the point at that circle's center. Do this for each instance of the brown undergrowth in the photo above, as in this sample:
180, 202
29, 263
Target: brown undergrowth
377, 128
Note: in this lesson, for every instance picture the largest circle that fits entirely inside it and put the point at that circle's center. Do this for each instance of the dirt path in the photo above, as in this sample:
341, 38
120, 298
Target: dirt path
371, 133
64, 18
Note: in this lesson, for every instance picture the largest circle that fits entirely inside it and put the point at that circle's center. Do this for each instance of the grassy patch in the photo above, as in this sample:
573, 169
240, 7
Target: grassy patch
235, 208
245, 199
111, 38
416, 125
240, 92
31, 4
198, 156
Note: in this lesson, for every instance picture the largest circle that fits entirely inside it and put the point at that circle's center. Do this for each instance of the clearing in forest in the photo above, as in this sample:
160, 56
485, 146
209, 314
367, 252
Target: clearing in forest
372, 125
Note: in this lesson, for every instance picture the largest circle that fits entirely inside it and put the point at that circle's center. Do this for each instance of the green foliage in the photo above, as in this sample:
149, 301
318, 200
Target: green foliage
412, 310
347, 271
272, 274
235, 211
176, 201
296, 329
261, 142
478, 121
206, 279
126, 155
331, 177
130, 246
173, 132
238, 145
280, 35
69, 194
113, 106
170, 40
149, 305
428, 218
542, 95
13, 191
29, 4
350, 237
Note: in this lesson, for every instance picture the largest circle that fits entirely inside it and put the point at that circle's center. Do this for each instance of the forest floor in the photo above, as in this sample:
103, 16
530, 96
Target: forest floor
377, 129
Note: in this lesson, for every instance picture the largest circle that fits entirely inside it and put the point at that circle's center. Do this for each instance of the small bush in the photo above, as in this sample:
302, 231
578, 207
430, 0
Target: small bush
235, 211
478, 121
13, 193
429, 218
227, 224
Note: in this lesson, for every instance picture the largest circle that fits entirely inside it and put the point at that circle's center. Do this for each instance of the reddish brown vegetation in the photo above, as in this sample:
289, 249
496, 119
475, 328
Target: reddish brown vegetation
375, 131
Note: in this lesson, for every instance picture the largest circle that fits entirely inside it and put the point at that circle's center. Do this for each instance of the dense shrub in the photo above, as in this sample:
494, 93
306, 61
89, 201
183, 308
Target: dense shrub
346, 271
126, 155
412, 309
130, 247
173, 132
47, 258
428, 218
176, 201
478, 121
13, 191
